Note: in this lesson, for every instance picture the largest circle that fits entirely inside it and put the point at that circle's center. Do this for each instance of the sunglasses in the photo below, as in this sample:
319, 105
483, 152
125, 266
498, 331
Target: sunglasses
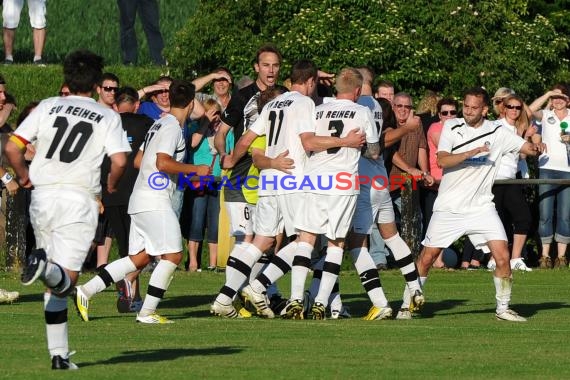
450, 113
498, 101
164, 91
110, 89
406, 106
511, 107
64, 93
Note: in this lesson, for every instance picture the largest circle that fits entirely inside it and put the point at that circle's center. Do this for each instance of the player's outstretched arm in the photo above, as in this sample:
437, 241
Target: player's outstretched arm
281, 162
166, 164
312, 143
449, 160
243, 144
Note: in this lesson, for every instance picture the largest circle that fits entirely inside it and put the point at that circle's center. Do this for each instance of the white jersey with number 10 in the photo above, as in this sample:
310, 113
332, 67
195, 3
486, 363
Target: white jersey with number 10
72, 135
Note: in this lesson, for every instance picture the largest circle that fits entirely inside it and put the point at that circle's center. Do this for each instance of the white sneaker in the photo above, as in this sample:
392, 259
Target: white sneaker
224, 311
340, 314
491, 265
259, 301
153, 319
518, 264
510, 315
6, 296
404, 314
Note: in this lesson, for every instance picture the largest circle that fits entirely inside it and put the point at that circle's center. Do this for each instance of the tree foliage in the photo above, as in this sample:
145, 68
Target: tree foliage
445, 46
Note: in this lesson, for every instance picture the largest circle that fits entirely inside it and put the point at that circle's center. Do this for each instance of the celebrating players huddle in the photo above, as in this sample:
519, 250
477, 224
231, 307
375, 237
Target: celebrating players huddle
281, 134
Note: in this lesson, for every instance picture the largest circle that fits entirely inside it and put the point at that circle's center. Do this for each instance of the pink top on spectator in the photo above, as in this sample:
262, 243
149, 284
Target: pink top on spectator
433, 133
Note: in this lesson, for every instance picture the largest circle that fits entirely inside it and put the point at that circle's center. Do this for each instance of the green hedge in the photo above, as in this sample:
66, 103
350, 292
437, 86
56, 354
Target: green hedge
28, 82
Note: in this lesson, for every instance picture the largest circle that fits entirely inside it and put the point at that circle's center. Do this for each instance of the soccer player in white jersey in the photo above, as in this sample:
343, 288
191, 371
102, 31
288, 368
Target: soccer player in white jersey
374, 209
72, 135
329, 210
288, 124
470, 151
155, 230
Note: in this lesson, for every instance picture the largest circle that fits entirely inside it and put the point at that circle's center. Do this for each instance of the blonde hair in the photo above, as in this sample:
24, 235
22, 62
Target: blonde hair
347, 80
429, 103
212, 103
522, 122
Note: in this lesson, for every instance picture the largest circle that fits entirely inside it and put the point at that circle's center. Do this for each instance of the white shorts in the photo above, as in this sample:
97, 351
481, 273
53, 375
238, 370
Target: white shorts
64, 223
445, 228
330, 215
374, 205
156, 232
241, 216
11, 10
275, 213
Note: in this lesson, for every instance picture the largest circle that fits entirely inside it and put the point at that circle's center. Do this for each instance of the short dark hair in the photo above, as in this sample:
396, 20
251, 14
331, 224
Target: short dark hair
477, 92
82, 70
303, 70
268, 48
385, 83
26, 111
181, 93
447, 102
108, 76
126, 95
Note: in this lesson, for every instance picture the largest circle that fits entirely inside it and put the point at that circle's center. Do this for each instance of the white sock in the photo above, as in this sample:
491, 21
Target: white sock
503, 288
56, 278
369, 276
157, 286
316, 281
406, 298
404, 260
112, 273
278, 266
9, 57
331, 269
239, 266
37, 57
299, 270
56, 324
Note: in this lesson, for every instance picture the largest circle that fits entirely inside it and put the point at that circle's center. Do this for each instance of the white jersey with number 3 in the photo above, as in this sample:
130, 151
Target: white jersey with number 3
337, 118
72, 135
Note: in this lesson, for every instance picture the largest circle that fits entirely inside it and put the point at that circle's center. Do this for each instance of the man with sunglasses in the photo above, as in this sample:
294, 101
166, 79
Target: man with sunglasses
107, 89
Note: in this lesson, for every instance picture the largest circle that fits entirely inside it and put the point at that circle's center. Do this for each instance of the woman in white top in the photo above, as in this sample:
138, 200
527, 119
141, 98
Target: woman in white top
554, 164
509, 200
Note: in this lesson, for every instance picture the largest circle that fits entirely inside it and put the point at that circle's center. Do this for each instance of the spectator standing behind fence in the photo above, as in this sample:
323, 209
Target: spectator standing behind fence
202, 206
554, 164
509, 200
446, 109
11, 10
150, 20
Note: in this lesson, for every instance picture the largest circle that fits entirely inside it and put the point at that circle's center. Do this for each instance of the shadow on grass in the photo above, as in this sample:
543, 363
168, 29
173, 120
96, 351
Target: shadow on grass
188, 300
525, 310
36, 297
163, 355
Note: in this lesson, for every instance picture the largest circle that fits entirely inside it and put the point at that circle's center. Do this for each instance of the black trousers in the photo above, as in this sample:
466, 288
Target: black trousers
513, 209
148, 12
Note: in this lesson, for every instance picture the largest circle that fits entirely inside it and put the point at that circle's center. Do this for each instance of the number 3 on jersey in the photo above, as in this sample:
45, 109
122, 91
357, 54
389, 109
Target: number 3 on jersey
335, 128
75, 141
